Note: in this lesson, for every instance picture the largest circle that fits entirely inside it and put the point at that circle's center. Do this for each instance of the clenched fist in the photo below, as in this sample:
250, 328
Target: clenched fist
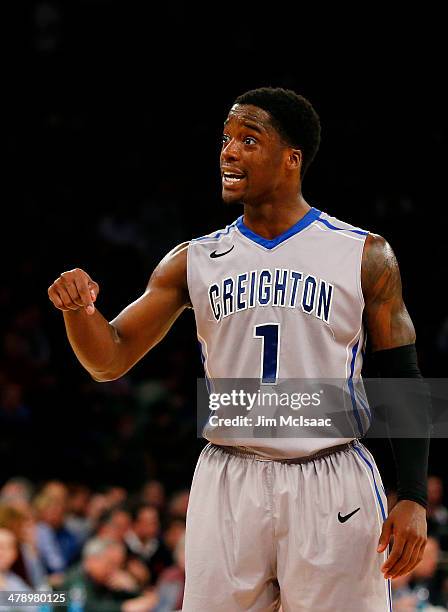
74, 290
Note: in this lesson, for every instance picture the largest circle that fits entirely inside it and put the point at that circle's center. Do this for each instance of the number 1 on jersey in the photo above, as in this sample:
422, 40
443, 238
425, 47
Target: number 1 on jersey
270, 336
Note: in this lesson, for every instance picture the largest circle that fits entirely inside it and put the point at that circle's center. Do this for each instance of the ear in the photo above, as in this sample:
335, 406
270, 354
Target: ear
294, 160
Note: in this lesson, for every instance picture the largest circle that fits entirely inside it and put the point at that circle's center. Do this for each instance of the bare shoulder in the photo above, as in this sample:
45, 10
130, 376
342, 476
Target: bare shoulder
377, 253
380, 273
172, 269
388, 322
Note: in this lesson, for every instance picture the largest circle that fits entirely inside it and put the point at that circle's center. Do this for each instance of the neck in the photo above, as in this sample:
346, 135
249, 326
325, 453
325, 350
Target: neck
270, 220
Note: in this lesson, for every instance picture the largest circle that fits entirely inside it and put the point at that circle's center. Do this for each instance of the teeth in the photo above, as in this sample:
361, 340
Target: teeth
232, 178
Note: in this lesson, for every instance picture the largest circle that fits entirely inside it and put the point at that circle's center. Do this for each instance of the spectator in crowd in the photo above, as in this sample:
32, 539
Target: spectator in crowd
57, 546
422, 588
56, 490
9, 581
173, 532
178, 504
77, 520
17, 492
96, 506
437, 513
143, 541
171, 584
114, 524
115, 495
100, 584
426, 580
28, 564
153, 494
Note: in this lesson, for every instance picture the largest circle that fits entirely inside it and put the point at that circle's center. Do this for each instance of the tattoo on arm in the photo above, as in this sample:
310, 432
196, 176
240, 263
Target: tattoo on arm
387, 320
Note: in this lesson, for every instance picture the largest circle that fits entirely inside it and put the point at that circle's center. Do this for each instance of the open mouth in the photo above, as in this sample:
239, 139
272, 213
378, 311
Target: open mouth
232, 178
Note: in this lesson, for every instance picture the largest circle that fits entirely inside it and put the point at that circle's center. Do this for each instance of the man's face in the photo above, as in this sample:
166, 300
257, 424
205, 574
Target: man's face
121, 523
102, 566
252, 157
147, 524
54, 513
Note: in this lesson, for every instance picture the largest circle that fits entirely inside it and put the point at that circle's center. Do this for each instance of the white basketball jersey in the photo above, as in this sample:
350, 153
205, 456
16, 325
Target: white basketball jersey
286, 308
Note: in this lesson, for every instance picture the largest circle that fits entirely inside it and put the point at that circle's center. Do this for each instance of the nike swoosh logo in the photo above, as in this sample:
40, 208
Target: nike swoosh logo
342, 519
215, 254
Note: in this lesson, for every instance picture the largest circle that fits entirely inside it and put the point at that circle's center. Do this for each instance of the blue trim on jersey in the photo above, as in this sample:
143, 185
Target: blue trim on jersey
383, 513
352, 389
304, 222
341, 229
207, 380
218, 234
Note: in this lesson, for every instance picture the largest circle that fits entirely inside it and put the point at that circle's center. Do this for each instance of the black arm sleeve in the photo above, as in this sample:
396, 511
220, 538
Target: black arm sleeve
410, 453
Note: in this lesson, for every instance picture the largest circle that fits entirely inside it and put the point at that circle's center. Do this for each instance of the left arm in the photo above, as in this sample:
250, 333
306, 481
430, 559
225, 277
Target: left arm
392, 337
388, 322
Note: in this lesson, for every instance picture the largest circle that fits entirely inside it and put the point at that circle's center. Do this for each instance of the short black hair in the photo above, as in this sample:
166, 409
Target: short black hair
292, 115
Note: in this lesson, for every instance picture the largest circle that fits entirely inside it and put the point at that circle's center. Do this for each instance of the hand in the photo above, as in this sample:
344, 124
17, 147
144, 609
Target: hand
138, 570
122, 581
74, 290
406, 524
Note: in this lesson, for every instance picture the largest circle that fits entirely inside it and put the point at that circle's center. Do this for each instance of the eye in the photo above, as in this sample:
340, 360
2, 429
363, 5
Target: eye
225, 138
250, 140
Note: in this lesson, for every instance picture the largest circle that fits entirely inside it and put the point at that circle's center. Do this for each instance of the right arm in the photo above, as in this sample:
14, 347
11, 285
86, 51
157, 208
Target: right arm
109, 350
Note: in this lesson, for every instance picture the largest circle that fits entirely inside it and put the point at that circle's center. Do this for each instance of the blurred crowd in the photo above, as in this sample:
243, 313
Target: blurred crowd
112, 550
109, 550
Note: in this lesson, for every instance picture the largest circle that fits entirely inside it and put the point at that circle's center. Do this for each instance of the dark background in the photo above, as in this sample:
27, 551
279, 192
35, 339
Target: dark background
112, 133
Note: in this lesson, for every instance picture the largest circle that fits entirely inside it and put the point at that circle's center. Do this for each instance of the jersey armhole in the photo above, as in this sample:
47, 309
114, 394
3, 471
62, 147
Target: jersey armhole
189, 284
359, 275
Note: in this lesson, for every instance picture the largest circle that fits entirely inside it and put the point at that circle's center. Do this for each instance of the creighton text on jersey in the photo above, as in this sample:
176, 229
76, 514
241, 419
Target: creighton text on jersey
281, 287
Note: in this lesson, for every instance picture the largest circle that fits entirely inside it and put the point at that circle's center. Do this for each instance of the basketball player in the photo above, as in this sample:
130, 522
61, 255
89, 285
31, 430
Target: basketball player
297, 521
